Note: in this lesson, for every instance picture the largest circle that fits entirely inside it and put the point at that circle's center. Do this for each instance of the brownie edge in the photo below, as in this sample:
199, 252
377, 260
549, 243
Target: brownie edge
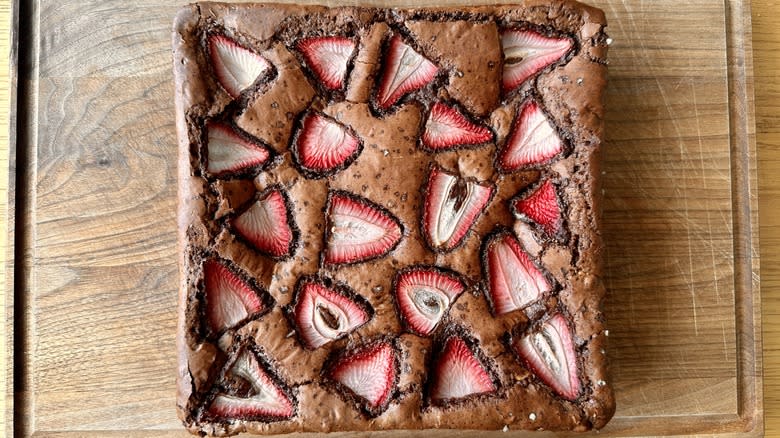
543, 362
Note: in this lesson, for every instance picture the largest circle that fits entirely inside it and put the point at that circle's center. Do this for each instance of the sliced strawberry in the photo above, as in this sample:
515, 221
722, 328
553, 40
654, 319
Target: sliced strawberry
323, 146
324, 312
229, 299
236, 67
513, 280
424, 295
404, 71
447, 128
268, 224
261, 396
358, 230
328, 58
452, 205
533, 140
458, 373
541, 207
230, 153
369, 373
526, 53
549, 353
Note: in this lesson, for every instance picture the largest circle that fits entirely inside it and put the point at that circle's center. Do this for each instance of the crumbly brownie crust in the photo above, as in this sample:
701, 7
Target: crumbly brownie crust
391, 169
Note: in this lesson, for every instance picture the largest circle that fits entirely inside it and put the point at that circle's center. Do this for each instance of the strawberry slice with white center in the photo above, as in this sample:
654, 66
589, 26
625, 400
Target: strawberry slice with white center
541, 207
526, 53
236, 67
328, 57
533, 140
424, 294
325, 312
513, 279
265, 401
370, 373
452, 205
358, 230
229, 299
230, 153
447, 128
404, 71
458, 373
268, 224
323, 146
549, 353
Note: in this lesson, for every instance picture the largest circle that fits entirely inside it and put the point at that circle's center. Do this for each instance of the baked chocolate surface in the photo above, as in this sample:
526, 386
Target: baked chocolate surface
389, 174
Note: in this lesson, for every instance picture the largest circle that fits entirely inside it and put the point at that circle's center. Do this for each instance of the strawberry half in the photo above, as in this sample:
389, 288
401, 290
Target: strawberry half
236, 67
268, 225
513, 279
358, 230
447, 128
404, 71
458, 373
324, 312
229, 299
323, 146
328, 58
533, 140
228, 152
251, 392
549, 353
424, 294
452, 205
526, 53
368, 373
540, 206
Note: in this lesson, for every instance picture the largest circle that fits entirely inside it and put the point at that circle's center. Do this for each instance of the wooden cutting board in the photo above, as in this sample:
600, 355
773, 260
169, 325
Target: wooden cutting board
95, 298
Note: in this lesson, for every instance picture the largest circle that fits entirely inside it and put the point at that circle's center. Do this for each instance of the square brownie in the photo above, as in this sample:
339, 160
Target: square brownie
389, 218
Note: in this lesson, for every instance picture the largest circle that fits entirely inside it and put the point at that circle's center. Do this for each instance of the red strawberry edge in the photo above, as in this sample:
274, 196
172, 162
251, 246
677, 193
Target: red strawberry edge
299, 131
369, 204
479, 134
558, 320
488, 365
500, 232
289, 207
384, 101
223, 386
446, 273
304, 47
216, 38
528, 109
339, 287
558, 232
433, 170
229, 128
264, 297
338, 359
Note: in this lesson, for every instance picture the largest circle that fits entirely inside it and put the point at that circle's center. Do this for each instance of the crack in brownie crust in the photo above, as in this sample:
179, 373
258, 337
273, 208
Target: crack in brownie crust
389, 218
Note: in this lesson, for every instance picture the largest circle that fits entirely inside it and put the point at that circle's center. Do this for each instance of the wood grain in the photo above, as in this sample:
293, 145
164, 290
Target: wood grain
5, 22
102, 275
766, 40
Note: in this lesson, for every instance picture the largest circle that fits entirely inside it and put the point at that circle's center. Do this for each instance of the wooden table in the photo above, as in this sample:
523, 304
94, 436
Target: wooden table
766, 26
766, 56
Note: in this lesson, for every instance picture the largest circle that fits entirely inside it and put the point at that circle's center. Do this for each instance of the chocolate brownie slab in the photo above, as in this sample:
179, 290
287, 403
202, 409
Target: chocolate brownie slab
389, 218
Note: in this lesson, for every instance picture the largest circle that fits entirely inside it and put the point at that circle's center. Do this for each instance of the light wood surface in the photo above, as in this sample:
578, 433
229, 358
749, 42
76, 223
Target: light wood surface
103, 220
